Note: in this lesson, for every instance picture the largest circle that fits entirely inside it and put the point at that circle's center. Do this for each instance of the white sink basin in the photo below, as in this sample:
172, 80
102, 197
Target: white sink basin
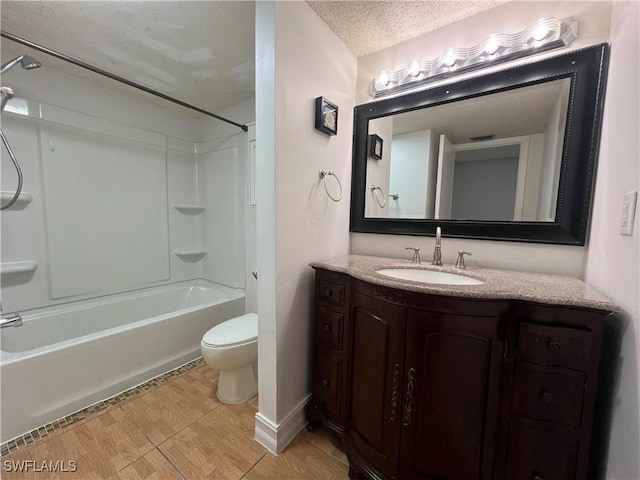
429, 276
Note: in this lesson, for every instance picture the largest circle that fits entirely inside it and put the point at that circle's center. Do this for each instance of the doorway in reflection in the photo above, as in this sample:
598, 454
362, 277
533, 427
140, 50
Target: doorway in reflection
484, 184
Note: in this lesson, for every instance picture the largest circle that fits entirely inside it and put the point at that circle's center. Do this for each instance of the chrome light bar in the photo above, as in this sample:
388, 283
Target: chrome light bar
545, 34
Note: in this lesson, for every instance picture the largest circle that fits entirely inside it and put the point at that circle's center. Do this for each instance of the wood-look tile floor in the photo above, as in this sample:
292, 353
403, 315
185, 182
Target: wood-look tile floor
177, 431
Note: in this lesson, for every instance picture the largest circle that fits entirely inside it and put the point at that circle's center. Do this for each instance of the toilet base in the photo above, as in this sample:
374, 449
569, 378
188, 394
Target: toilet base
237, 386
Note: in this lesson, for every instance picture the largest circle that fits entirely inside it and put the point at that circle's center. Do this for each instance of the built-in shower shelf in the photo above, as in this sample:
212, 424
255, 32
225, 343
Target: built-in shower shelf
18, 267
24, 197
189, 208
190, 252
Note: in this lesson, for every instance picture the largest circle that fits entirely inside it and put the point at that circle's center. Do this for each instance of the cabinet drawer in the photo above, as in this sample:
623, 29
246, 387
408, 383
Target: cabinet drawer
554, 346
327, 382
329, 327
539, 455
547, 393
330, 292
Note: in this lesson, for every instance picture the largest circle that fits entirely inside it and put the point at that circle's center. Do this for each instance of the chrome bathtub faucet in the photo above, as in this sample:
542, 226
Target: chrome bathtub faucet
437, 249
13, 320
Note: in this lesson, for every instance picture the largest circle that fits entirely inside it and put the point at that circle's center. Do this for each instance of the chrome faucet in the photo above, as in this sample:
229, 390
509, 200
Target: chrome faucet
13, 320
437, 250
416, 254
460, 260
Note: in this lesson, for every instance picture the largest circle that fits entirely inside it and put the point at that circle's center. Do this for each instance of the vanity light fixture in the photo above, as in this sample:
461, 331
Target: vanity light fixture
545, 34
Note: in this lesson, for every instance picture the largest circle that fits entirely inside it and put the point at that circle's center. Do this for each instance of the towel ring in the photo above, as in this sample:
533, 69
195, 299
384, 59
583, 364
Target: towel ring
373, 189
323, 175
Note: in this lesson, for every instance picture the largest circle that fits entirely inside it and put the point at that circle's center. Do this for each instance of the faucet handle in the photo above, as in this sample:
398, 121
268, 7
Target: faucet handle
460, 260
416, 254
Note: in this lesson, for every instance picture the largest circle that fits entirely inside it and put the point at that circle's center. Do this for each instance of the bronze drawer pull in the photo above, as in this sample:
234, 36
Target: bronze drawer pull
395, 392
536, 477
325, 383
554, 346
408, 398
327, 292
548, 397
327, 328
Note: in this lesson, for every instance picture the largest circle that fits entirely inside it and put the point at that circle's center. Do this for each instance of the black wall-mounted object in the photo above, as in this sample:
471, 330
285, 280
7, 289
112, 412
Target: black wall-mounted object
326, 116
375, 147
587, 71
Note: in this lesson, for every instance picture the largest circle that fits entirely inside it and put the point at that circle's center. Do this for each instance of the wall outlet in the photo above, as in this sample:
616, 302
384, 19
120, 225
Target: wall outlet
628, 213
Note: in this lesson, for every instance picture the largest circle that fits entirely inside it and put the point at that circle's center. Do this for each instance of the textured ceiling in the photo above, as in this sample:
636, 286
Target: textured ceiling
200, 52
368, 26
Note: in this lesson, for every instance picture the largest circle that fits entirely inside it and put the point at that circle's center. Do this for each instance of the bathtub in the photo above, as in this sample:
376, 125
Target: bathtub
67, 357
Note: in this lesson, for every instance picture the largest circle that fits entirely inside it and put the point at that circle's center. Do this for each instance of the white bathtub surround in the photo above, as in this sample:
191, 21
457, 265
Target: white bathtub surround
114, 197
69, 356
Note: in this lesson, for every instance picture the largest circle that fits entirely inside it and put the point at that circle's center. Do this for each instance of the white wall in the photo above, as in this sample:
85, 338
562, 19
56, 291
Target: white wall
410, 177
593, 19
298, 59
613, 261
551, 158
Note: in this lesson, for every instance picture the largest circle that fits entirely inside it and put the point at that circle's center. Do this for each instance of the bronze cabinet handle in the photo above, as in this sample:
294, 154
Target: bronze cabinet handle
327, 328
325, 383
408, 397
395, 391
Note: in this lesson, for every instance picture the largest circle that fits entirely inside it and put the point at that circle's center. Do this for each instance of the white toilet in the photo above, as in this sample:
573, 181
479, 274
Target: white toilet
232, 348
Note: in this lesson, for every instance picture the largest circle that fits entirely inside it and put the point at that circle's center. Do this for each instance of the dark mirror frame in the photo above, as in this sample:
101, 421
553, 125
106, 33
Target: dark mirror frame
587, 69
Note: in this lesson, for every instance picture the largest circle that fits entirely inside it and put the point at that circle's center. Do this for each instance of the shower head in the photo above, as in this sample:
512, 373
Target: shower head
7, 94
25, 61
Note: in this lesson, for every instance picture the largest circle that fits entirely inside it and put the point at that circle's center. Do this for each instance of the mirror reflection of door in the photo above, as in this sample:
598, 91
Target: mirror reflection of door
485, 183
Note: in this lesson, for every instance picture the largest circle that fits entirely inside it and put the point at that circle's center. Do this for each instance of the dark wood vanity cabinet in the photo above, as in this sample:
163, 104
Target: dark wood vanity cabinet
428, 387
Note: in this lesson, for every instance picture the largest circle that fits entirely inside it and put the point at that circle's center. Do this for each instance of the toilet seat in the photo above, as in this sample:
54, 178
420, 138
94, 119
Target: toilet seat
234, 332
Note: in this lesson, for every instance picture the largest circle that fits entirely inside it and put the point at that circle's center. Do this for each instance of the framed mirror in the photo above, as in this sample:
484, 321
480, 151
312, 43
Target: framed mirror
509, 155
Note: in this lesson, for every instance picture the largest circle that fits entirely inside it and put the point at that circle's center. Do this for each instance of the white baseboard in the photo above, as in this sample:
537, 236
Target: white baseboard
276, 437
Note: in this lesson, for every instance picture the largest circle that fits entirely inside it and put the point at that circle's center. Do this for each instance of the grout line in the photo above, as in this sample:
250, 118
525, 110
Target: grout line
327, 453
154, 446
253, 466
173, 465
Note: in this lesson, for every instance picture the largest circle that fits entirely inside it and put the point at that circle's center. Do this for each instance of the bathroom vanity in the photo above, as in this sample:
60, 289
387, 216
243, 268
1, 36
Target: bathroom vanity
507, 379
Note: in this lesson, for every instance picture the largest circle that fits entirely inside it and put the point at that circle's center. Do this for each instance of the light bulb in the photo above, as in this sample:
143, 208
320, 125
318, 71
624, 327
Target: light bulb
382, 80
492, 46
449, 59
414, 69
540, 32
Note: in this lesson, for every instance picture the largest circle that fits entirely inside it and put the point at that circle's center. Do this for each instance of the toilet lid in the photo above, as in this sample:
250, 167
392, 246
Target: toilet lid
230, 332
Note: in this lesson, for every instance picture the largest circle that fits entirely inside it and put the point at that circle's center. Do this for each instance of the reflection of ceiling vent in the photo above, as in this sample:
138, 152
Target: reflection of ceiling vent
483, 137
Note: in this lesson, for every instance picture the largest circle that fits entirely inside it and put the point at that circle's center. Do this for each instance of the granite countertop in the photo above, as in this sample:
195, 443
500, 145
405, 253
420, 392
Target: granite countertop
499, 284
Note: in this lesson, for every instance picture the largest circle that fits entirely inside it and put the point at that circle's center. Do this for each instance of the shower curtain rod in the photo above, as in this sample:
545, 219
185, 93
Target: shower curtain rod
117, 78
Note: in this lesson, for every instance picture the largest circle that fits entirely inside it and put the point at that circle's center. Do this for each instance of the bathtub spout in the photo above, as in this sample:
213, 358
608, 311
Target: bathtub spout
13, 320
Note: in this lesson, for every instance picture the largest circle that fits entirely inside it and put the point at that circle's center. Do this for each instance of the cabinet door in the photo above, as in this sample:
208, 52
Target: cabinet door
451, 404
377, 339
